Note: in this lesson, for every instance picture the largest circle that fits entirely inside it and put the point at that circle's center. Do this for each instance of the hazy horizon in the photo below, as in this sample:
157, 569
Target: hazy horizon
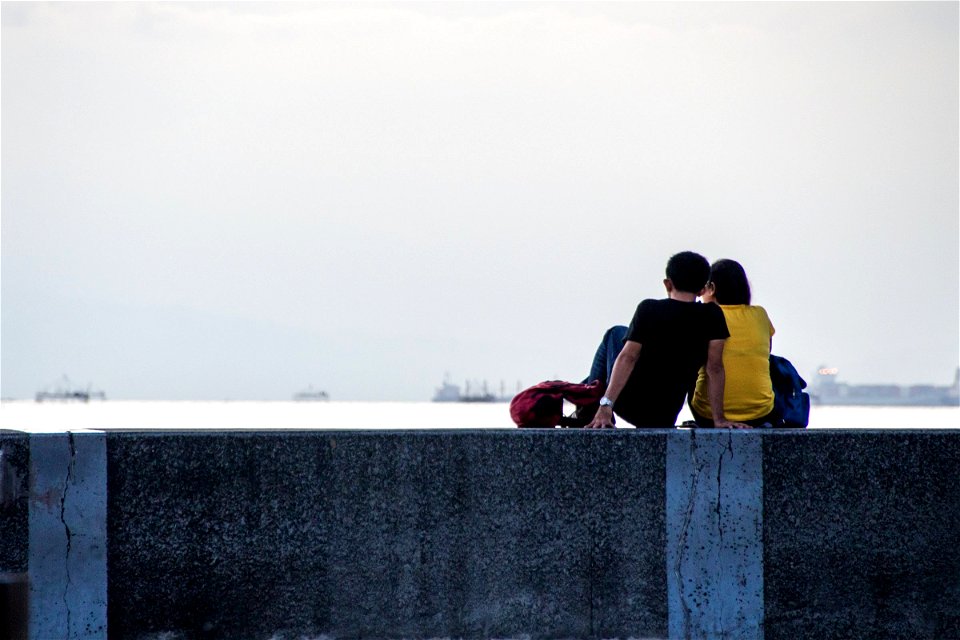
238, 200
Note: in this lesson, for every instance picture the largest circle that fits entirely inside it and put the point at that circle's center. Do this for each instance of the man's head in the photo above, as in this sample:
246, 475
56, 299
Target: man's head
688, 272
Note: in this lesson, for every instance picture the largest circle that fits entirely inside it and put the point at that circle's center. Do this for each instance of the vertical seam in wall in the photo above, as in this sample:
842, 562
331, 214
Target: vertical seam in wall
67, 559
714, 501
68, 477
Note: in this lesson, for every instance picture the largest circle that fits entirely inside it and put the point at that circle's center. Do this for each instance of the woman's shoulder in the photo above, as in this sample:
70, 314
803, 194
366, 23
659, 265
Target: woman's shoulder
754, 311
758, 311
747, 308
761, 317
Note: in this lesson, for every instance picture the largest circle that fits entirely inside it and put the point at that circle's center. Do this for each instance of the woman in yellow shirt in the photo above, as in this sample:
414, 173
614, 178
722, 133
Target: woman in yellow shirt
747, 393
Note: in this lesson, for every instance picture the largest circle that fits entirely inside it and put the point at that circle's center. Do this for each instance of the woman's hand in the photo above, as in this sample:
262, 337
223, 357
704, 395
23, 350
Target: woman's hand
729, 424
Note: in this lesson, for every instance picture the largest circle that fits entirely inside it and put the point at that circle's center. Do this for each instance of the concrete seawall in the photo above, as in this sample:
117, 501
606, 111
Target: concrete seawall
485, 534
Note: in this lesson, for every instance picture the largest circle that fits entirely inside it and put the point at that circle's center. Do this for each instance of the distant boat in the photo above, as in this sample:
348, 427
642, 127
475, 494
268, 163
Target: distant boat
827, 391
311, 395
449, 392
64, 392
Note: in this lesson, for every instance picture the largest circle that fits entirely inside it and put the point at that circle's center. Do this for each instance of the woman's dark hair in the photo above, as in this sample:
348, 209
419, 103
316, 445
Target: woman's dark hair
730, 282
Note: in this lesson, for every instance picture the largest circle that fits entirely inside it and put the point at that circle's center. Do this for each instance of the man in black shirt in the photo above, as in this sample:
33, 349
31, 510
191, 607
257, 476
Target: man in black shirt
665, 346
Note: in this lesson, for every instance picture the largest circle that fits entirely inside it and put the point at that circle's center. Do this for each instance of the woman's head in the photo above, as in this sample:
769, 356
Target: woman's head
728, 283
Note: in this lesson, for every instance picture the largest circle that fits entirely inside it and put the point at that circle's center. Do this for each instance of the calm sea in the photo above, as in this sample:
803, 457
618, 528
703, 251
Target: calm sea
28, 415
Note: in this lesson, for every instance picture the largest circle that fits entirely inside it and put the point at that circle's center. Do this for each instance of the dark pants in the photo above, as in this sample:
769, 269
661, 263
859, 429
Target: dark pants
607, 354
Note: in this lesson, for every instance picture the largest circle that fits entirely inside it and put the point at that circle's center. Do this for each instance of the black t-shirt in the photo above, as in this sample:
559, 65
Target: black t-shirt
673, 337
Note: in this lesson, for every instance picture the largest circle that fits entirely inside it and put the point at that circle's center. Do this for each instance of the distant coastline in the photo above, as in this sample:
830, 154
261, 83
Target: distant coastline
827, 390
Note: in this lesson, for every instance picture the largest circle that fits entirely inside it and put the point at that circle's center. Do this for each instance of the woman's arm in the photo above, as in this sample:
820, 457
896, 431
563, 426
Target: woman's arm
716, 380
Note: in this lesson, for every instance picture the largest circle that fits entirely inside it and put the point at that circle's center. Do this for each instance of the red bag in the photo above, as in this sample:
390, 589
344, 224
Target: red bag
541, 406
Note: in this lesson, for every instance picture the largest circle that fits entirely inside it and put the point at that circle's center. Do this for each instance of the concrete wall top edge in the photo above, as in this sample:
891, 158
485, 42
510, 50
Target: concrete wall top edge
485, 433
518, 433
417, 433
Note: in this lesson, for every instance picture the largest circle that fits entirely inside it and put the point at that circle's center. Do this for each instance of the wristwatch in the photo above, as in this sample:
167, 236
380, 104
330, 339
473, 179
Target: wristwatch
606, 402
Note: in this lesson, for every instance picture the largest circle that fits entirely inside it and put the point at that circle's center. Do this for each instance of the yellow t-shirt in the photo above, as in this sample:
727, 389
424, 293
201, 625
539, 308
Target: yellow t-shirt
747, 392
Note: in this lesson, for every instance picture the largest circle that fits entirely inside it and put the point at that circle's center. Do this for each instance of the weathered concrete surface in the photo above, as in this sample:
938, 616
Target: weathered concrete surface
539, 534
495, 534
862, 535
14, 505
68, 555
714, 528
14, 534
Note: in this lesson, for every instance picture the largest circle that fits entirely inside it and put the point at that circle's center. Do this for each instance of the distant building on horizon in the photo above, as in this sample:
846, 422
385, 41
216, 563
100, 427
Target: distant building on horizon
826, 390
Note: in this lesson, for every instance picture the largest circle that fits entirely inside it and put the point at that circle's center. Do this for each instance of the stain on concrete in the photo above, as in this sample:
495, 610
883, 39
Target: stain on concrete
67, 537
714, 527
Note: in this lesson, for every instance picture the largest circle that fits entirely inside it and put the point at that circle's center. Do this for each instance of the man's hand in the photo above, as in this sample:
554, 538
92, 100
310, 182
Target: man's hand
603, 419
728, 424
622, 368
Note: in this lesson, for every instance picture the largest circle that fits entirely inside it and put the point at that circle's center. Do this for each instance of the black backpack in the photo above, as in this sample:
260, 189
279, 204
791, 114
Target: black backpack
790, 400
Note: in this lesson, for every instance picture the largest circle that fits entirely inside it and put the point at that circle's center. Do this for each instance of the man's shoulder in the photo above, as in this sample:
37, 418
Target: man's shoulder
715, 322
648, 305
706, 314
680, 308
711, 310
655, 303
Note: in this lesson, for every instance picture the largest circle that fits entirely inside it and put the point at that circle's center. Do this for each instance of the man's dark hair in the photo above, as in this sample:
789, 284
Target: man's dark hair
688, 271
730, 280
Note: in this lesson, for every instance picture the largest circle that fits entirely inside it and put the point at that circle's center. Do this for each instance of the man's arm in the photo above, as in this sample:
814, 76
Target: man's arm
622, 368
716, 380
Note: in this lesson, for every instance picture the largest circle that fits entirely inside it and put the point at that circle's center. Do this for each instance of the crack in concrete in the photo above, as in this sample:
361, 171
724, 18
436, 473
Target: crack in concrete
682, 538
713, 573
719, 508
66, 527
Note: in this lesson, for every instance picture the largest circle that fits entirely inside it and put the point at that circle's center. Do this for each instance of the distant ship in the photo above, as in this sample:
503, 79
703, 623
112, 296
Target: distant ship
827, 391
449, 392
64, 392
311, 395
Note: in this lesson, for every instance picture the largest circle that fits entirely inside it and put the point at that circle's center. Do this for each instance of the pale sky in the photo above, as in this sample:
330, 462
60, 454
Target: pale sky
212, 201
